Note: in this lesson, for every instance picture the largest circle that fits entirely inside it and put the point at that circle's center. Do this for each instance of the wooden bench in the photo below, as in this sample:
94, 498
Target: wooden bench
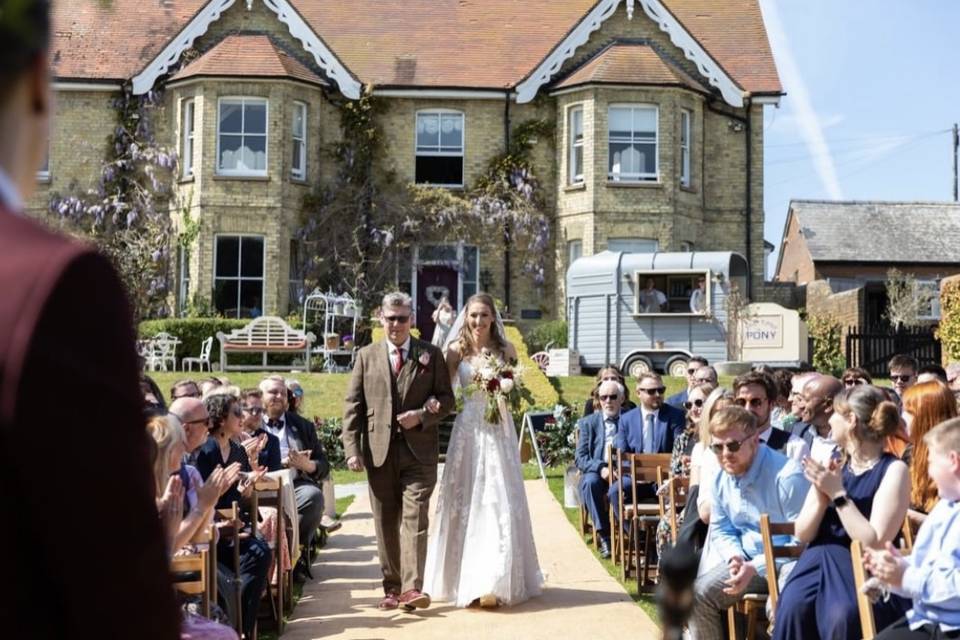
266, 334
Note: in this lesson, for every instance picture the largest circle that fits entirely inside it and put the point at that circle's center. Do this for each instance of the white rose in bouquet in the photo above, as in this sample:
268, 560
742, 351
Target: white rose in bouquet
506, 385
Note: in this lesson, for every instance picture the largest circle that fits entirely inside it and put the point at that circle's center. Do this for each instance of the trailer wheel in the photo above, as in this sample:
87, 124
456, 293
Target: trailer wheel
677, 367
638, 365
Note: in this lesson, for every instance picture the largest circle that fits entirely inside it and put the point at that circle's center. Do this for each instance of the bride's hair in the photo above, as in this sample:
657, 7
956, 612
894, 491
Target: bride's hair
465, 339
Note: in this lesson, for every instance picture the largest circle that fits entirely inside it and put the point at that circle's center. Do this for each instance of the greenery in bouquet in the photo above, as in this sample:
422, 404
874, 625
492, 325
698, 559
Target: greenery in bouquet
500, 382
557, 440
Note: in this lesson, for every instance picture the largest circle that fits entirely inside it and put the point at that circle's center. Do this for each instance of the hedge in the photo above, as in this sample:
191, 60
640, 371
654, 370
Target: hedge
552, 332
192, 332
949, 330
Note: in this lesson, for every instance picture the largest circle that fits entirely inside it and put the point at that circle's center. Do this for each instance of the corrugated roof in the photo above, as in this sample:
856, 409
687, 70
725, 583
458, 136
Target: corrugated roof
248, 56
629, 64
879, 231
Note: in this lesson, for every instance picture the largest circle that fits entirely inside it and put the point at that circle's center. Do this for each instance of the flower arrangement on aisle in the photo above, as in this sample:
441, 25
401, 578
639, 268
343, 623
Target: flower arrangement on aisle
499, 381
557, 439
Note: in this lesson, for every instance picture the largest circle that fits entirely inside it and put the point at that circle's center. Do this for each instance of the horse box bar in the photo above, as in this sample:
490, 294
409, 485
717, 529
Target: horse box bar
653, 311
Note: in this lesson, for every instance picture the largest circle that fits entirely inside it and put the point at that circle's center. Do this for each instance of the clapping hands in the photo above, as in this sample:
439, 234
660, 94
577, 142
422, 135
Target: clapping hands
887, 565
301, 461
827, 479
253, 446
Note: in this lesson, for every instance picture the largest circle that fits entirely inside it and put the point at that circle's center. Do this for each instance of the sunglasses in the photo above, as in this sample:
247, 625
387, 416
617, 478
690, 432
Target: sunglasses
901, 378
654, 391
753, 402
853, 382
613, 397
197, 421
690, 372
690, 404
733, 446
396, 319
254, 411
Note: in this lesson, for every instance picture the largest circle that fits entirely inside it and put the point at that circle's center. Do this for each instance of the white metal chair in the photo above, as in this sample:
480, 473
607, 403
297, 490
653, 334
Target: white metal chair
164, 350
204, 359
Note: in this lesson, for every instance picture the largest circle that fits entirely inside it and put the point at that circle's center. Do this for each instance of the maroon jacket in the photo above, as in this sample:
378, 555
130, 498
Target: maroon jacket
81, 543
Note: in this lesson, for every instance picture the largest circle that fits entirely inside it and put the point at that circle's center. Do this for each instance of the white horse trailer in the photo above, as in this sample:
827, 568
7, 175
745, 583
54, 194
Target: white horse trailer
610, 324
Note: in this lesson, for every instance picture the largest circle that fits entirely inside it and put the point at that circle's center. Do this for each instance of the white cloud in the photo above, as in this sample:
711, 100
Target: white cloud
809, 125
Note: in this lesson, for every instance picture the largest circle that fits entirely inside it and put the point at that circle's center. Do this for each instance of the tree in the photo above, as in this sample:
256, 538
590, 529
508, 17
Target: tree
907, 300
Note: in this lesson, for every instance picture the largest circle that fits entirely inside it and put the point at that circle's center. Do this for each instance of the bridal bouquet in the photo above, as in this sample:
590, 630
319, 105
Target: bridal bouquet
498, 380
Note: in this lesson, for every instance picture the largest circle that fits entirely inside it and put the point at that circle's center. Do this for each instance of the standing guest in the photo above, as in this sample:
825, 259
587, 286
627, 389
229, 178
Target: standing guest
609, 372
695, 363
818, 396
597, 433
46, 279
650, 428
854, 376
650, 299
443, 317
925, 405
263, 447
184, 389
903, 373
930, 576
863, 496
756, 391
698, 298
755, 479
931, 372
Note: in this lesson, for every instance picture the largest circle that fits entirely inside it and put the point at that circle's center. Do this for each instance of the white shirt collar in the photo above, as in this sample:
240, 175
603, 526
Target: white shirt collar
646, 412
9, 194
765, 435
282, 420
405, 346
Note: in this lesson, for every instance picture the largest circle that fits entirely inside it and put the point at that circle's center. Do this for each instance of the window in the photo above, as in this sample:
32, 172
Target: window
43, 173
439, 154
186, 144
574, 251
238, 279
242, 137
471, 270
686, 247
633, 143
296, 292
685, 120
575, 131
632, 245
183, 262
683, 291
298, 168
927, 295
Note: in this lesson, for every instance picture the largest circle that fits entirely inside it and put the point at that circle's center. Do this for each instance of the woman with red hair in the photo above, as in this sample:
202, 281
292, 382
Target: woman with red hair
926, 405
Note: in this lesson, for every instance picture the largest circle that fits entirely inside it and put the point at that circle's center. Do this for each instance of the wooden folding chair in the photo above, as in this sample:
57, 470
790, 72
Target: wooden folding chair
673, 500
868, 627
232, 531
267, 493
751, 604
638, 518
190, 576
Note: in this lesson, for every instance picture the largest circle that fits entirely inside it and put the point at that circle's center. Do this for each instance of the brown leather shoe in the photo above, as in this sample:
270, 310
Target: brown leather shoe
390, 601
413, 599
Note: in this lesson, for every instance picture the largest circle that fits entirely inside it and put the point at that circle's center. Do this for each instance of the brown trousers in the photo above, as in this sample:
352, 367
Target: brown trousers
400, 491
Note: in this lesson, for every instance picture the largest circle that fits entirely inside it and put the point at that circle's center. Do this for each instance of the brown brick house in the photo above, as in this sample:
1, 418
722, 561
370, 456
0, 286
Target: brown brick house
658, 106
841, 252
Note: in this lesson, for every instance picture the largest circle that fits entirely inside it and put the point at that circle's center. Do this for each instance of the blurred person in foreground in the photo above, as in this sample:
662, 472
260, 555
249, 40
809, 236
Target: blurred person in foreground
46, 279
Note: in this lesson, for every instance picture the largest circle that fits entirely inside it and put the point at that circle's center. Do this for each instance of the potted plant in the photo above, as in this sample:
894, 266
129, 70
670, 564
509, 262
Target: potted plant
332, 341
348, 342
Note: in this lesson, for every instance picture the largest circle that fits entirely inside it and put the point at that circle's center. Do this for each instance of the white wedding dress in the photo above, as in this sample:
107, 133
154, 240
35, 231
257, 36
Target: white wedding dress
482, 542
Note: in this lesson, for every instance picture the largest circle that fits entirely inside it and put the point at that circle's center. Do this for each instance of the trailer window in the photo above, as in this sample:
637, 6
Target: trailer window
684, 292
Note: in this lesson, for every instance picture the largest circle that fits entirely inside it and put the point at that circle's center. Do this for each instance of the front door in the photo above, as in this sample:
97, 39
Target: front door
434, 282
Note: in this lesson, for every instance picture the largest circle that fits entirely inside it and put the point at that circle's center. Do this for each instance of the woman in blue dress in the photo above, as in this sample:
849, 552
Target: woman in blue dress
863, 495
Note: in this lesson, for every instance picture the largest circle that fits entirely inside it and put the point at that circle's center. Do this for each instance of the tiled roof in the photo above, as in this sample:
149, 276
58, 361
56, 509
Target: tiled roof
248, 56
629, 64
407, 43
879, 231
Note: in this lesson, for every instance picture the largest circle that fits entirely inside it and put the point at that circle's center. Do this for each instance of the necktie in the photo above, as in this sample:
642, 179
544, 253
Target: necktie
648, 434
399, 360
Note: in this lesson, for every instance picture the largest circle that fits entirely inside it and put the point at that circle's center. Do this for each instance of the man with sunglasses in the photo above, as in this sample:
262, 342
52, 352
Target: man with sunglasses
650, 428
694, 365
251, 401
903, 373
756, 392
597, 432
818, 395
754, 480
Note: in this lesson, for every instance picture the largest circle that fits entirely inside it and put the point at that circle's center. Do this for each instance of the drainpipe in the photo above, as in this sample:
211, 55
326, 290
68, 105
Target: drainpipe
507, 231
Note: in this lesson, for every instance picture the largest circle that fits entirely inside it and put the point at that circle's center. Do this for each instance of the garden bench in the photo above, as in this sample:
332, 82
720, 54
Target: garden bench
266, 334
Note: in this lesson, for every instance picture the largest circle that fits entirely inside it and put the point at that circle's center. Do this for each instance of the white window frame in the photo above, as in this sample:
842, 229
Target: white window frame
573, 177
188, 128
301, 173
934, 299
639, 177
183, 260
686, 131
440, 112
574, 250
239, 277
639, 282
244, 100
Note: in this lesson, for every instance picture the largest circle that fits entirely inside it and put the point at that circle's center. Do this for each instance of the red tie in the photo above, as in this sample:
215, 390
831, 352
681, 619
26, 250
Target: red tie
399, 365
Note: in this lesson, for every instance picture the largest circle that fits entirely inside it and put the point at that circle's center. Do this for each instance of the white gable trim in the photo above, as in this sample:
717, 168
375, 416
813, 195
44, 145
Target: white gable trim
679, 36
144, 81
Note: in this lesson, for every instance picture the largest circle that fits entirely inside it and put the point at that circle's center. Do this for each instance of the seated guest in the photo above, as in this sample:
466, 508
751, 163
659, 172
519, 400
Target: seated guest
608, 373
780, 415
756, 392
195, 419
798, 381
220, 450
208, 385
596, 434
930, 576
755, 479
650, 428
925, 405
295, 398
184, 389
818, 397
300, 450
263, 446
862, 496
677, 399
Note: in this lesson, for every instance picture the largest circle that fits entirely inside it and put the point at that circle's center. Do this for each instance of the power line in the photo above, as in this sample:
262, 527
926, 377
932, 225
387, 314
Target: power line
882, 148
860, 139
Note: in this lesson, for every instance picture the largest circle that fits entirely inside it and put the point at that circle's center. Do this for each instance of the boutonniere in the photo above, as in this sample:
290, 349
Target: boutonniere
424, 358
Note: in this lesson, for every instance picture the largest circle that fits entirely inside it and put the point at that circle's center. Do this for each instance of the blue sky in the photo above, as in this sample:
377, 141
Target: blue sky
872, 88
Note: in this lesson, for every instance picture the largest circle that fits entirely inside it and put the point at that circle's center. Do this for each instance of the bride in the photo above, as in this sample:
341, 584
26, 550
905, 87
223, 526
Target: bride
482, 549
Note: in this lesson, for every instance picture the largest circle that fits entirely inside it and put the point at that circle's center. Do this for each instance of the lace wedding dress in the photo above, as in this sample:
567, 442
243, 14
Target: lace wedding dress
482, 542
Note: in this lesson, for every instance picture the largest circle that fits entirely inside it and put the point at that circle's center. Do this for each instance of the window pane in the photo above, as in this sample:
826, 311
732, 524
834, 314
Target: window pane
645, 120
578, 162
624, 158
428, 132
255, 118
225, 297
251, 257
438, 253
251, 297
254, 153
439, 169
298, 120
230, 117
230, 152
620, 125
647, 158
684, 127
228, 248
632, 245
297, 150
576, 124
574, 250
451, 132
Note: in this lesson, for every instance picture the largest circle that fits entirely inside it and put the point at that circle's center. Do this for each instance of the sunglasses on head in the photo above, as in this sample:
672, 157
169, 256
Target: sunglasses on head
654, 391
396, 319
753, 402
853, 382
903, 378
195, 394
732, 446
613, 397
690, 404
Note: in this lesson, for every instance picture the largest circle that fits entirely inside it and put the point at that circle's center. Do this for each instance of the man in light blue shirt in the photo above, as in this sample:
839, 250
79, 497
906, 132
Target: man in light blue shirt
755, 480
931, 574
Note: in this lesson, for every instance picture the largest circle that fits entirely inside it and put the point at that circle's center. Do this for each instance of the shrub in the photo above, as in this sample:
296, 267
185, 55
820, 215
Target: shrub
949, 330
539, 335
191, 331
827, 337
328, 432
544, 395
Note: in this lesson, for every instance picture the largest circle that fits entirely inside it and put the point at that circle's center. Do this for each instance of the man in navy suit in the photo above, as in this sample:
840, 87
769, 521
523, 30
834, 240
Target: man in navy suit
695, 363
597, 432
650, 428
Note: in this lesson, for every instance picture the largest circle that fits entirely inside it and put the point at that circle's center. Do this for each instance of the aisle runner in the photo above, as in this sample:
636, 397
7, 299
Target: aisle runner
580, 597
